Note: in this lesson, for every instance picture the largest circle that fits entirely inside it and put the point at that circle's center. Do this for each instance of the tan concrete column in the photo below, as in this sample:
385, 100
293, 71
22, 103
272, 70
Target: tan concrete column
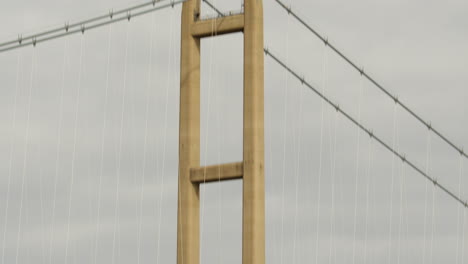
188, 249
253, 240
252, 168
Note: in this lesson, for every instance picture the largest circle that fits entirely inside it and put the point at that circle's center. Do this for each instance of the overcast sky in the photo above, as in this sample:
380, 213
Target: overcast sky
332, 195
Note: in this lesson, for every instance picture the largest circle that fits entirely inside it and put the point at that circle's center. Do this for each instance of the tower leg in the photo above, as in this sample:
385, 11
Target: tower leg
252, 168
253, 234
188, 249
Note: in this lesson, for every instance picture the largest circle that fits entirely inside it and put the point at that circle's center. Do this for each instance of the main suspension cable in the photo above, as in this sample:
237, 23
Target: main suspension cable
85, 25
372, 80
368, 131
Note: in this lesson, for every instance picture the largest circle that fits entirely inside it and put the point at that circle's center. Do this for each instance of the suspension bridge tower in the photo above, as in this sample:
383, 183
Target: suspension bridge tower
251, 169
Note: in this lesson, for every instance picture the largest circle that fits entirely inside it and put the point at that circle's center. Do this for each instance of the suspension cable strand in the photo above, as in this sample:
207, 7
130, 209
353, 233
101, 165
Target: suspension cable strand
401, 211
163, 160
463, 235
342, 221
319, 183
85, 25
332, 211
75, 138
103, 131
397, 154
57, 150
431, 250
373, 205
25, 160
369, 78
218, 128
298, 163
145, 137
119, 151
221, 137
458, 209
428, 149
273, 186
368, 172
10, 163
405, 210
27, 254
89, 177
356, 179
41, 199
285, 114
392, 185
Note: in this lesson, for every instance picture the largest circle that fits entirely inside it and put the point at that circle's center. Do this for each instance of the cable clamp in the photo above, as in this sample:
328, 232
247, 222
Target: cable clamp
466, 204
172, 3
83, 28
325, 40
462, 152
266, 51
289, 10
20, 39
395, 98
361, 71
154, 2
111, 13
403, 158
129, 15
34, 41
371, 133
337, 107
302, 80
66, 26
429, 126
434, 181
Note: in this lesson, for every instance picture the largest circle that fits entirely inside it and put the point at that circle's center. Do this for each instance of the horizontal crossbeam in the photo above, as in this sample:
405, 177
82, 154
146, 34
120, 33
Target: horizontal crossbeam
218, 26
223, 172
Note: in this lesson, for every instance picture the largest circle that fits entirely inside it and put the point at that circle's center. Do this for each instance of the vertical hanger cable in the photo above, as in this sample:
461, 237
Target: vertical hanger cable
368, 180
163, 162
392, 184
356, 184
12, 147
332, 253
428, 150
119, 151
25, 158
103, 132
285, 114
75, 137
145, 137
319, 183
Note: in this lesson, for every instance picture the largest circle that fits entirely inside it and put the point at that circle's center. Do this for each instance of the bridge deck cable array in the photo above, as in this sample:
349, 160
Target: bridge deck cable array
87, 24
371, 79
452, 194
